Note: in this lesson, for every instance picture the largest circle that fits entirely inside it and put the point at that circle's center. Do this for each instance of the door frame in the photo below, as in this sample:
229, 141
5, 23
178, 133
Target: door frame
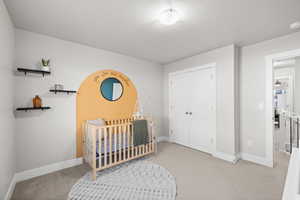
187, 70
291, 78
269, 59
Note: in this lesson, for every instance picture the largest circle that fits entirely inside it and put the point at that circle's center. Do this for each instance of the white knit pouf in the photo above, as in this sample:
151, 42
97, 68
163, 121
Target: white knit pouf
135, 180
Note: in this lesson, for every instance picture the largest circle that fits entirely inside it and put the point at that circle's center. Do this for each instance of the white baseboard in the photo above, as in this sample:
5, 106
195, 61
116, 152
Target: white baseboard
162, 139
28, 174
256, 159
227, 157
11, 188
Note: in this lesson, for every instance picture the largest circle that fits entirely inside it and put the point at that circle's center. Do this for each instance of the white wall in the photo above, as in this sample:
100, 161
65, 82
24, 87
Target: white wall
297, 87
226, 70
7, 133
252, 90
49, 136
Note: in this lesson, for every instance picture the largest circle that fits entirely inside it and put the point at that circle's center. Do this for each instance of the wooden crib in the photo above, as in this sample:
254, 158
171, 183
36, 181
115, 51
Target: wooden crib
112, 144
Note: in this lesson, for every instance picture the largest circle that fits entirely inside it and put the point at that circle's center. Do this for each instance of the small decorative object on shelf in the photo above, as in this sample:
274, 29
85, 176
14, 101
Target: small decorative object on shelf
37, 105
37, 102
58, 87
46, 65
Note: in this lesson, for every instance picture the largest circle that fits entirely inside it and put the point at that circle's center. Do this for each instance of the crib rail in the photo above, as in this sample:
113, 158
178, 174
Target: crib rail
110, 145
125, 120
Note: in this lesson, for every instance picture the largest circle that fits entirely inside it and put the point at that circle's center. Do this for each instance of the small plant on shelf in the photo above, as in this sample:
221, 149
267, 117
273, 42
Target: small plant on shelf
46, 64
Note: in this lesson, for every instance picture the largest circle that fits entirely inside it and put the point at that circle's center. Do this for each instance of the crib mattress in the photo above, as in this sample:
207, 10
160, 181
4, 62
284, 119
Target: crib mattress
113, 149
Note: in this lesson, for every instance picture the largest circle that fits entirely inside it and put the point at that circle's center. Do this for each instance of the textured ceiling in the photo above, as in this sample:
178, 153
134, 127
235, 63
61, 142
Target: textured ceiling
130, 27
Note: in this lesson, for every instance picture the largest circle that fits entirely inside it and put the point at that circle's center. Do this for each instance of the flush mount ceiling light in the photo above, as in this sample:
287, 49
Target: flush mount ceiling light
169, 17
295, 25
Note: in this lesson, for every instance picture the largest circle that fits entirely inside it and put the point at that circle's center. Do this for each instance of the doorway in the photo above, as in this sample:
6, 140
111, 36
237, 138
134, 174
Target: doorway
282, 115
284, 85
192, 110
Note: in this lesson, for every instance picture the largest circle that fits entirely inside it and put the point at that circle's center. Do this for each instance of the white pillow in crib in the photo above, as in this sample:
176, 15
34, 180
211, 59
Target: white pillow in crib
97, 122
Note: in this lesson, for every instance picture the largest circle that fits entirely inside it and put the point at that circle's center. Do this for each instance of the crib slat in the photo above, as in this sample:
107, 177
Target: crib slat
110, 145
94, 146
120, 144
124, 141
134, 151
131, 145
105, 147
100, 146
115, 145
137, 150
151, 136
128, 140
94, 153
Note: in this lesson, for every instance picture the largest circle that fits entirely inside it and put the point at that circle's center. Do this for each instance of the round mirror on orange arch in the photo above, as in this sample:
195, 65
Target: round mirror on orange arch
106, 94
111, 89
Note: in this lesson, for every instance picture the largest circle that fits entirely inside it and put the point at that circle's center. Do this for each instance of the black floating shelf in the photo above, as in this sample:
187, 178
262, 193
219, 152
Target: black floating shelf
32, 108
34, 71
63, 91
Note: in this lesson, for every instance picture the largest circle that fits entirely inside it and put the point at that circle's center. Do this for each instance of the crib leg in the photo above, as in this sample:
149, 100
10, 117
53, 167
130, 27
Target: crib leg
155, 145
94, 174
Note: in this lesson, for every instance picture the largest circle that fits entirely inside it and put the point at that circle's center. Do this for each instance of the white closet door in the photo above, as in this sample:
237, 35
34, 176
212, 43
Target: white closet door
193, 109
203, 114
179, 96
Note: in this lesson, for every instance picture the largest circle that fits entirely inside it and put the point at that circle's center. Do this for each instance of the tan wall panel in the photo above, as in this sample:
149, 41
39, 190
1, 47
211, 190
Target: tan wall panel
92, 105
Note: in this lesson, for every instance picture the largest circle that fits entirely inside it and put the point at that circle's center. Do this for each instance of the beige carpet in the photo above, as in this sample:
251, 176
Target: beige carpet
198, 175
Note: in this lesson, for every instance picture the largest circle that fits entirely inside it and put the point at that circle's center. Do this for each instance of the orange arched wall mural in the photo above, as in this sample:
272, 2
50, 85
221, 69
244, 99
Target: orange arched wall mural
92, 105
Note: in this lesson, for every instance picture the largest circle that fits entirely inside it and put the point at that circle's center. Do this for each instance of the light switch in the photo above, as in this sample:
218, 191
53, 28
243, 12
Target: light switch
261, 106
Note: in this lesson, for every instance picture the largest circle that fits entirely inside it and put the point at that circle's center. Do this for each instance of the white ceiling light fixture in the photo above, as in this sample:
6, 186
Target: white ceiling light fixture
169, 17
295, 25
